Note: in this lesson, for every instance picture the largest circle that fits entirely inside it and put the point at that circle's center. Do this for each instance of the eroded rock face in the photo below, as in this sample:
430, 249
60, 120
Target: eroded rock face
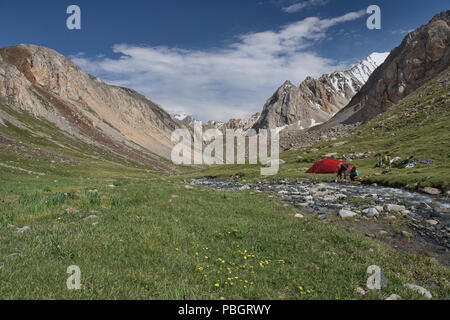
316, 100
423, 54
238, 125
46, 84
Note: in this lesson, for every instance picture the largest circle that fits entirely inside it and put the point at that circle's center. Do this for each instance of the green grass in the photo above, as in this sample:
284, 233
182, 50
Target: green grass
154, 239
52, 139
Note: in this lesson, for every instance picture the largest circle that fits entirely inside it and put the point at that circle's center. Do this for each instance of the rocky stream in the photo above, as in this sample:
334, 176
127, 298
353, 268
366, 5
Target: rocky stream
409, 221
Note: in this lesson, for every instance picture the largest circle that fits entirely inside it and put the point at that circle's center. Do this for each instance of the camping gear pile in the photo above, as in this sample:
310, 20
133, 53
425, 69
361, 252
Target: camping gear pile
398, 163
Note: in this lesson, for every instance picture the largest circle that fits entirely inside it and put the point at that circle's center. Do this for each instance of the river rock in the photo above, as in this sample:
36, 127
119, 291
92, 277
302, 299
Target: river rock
329, 198
304, 204
299, 216
274, 163
371, 212
420, 290
432, 222
330, 155
405, 213
432, 191
394, 297
345, 214
338, 144
361, 291
395, 208
321, 193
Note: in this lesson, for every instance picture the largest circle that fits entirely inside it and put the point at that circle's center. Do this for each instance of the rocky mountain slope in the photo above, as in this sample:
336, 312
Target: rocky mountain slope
45, 84
242, 125
238, 125
422, 55
316, 100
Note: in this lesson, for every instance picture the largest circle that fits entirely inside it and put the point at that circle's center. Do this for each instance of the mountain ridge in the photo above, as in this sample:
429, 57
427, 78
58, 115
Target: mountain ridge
421, 56
315, 101
48, 85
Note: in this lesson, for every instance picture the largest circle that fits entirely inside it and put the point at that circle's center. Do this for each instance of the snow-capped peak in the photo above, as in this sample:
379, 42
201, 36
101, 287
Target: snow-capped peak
378, 58
180, 116
363, 69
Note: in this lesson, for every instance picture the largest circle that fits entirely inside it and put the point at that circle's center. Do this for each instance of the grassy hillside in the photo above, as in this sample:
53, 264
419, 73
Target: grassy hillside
35, 146
418, 126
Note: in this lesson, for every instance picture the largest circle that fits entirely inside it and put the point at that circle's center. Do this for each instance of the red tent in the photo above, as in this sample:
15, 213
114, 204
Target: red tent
325, 166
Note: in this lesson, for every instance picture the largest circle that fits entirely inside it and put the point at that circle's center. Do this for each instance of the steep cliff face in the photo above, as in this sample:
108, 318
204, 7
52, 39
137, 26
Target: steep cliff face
422, 55
316, 100
48, 85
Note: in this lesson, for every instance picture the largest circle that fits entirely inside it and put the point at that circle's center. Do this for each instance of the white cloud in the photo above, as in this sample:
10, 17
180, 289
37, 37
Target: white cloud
402, 31
224, 83
303, 5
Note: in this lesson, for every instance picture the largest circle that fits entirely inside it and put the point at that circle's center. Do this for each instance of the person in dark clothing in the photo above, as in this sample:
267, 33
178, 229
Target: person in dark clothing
342, 169
353, 174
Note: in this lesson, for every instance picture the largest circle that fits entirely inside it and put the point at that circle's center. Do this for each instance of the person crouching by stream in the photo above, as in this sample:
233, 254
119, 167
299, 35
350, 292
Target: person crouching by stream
353, 174
342, 169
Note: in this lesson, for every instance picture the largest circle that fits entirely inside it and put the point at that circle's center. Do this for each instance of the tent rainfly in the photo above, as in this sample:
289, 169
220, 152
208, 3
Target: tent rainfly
325, 166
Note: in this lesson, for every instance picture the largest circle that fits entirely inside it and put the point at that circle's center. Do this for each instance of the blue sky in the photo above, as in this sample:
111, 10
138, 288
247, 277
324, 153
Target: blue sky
212, 59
